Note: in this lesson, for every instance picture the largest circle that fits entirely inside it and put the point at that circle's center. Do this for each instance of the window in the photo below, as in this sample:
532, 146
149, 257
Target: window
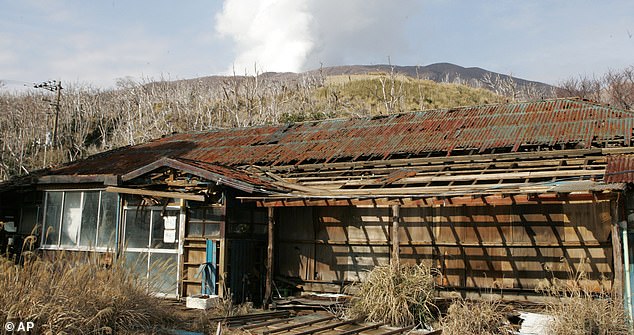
153, 228
80, 219
205, 221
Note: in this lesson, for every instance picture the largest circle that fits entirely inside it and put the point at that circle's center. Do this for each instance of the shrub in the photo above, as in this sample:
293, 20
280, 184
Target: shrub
398, 295
465, 317
585, 315
582, 307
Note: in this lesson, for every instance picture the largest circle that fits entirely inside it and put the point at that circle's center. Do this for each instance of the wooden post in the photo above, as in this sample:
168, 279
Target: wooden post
396, 218
617, 255
223, 290
268, 291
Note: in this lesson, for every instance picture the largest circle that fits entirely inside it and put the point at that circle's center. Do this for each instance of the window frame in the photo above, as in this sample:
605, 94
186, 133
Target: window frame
148, 251
58, 225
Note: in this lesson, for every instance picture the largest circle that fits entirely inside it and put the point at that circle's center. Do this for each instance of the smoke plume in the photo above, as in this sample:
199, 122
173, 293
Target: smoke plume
296, 35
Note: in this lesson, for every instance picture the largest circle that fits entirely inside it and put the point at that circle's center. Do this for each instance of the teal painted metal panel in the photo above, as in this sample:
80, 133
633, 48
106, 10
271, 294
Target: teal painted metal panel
209, 269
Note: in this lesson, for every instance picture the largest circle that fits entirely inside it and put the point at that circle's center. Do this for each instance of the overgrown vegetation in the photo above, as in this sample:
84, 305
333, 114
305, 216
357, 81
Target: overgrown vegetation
582, 309
396, 294
482, 317
70, 295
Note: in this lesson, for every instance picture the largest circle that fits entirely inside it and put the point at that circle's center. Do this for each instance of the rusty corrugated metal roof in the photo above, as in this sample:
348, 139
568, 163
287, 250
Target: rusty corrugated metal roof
513, 125
620, 169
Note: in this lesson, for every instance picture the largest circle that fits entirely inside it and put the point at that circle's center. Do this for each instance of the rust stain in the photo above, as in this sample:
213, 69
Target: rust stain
620, 169
513, 126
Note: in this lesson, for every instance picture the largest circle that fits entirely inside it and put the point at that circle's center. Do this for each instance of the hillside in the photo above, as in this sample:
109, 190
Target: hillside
501, 84
93, 120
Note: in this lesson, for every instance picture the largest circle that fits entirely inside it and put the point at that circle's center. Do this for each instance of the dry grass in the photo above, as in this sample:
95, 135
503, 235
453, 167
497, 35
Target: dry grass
79, 296
585, 315
399, 295
582, 307
465, 317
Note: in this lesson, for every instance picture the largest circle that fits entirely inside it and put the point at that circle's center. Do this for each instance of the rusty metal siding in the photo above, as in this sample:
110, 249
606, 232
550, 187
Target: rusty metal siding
620, 169
544, 123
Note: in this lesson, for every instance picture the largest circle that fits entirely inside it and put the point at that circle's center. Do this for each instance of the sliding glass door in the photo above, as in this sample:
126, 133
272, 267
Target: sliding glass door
151, 246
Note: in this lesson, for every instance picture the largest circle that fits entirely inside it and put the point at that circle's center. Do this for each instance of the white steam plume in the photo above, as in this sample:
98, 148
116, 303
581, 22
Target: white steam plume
296, 35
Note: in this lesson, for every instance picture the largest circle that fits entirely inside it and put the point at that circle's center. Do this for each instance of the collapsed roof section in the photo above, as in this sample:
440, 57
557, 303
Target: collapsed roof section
516, 148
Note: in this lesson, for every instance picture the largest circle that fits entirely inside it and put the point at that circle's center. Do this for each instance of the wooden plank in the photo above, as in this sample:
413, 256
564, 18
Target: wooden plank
106, 179
617, 253
445, 159
361, 329
470, 177
459, 168
476, 200
398, 330
326, 327
303, 324
160, 194
222, 257
265, 323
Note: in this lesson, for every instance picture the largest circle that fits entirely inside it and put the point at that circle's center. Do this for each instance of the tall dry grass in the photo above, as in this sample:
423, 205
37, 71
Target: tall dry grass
397, 294
78, 295
470, 317
582, 308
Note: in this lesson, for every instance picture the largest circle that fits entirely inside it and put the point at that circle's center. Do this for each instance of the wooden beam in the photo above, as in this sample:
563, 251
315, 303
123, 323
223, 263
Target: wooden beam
268, 291
445, 159
476, 200
617, 254
160, 194
222, 254
106, 179
396, 218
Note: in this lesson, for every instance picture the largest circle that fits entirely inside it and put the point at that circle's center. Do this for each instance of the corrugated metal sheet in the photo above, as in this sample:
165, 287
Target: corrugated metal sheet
547, 123
620, 169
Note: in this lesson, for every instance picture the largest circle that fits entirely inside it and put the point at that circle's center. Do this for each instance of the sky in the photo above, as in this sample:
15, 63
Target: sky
98, 43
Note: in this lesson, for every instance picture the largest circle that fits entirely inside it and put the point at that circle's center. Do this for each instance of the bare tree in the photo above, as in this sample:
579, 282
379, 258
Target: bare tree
585, 87
504, 86
620, 87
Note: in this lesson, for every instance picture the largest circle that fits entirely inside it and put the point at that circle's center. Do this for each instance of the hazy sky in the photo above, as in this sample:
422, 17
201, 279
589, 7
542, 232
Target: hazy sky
97, 42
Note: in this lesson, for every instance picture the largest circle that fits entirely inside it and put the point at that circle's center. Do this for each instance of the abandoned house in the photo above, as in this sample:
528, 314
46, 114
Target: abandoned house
497, 198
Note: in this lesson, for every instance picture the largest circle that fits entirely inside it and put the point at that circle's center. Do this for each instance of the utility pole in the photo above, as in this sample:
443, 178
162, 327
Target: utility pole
53, 86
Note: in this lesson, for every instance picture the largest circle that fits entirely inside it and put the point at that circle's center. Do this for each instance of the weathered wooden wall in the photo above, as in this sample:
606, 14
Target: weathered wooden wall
517, 246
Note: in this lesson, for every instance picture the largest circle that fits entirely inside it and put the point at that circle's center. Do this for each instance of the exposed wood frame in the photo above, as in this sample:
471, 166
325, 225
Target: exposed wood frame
449, 159
182, 166
396, 218
517, 245
160, 194
222, 257
617, 254
479, 200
